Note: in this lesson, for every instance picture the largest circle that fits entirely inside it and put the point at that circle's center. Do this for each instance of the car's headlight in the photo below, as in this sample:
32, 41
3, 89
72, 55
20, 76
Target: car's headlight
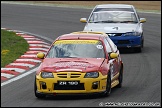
91, 75
132, 34
47, 75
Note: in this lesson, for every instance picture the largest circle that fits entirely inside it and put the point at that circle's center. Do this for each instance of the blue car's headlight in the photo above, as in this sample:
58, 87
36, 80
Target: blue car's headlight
91, 75
47, 75
132, 34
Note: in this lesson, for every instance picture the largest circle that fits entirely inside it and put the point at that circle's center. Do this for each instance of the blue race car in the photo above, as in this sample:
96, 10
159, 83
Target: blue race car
120, 22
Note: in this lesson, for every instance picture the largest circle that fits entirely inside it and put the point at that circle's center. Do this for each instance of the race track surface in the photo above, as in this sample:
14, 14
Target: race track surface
142, 71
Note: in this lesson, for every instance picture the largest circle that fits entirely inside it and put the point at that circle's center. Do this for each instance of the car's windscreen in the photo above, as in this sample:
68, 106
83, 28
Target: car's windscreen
113, 17
113, 9
76, 49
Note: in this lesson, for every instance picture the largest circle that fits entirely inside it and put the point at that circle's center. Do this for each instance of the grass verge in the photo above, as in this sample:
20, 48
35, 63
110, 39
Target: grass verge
12, 47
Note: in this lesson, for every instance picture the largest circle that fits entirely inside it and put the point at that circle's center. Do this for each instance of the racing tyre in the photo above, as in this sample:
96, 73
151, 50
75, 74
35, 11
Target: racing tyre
108, 86
38, 95
120, 78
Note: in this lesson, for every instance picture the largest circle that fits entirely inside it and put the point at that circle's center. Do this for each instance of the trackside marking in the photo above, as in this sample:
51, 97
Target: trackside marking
14, 69
12, 30
32, 39
10, 72
3, 28
43, 43
35, 51
20, 33
3, 78
32, 60
38, 49
28, 56
26, 61
7, 75
39, 45
29, 62
19, 77
27, 36
22, 64
39, 42
13, 66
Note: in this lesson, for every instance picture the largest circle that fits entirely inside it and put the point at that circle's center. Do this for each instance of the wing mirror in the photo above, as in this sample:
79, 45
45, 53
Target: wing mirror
113, 55
142, 20
40, 55
83, 20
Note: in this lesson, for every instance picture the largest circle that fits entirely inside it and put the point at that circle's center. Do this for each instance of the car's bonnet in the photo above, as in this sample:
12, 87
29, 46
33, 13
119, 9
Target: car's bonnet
112, 28
71, 64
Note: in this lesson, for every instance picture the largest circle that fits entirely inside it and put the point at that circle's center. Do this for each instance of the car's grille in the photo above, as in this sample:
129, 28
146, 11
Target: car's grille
80, 86
70, 75
123, 42
114, 34
68, 85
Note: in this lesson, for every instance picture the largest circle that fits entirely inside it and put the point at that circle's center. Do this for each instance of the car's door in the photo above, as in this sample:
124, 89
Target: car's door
117, 60
109, 50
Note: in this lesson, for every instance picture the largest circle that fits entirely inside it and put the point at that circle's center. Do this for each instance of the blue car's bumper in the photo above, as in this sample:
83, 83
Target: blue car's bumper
127, 41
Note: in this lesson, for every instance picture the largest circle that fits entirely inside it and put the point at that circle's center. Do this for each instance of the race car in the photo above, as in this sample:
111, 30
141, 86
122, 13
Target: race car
79, 63
120, 21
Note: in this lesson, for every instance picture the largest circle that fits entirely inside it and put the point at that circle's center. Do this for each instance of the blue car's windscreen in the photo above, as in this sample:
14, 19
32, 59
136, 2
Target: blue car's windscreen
113, 17
113, 9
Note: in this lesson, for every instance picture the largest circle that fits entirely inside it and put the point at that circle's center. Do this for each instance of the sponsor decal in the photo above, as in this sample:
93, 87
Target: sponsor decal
76, 42
72, 64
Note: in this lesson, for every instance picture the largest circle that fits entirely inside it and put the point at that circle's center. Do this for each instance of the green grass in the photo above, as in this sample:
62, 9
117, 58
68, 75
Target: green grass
12, 47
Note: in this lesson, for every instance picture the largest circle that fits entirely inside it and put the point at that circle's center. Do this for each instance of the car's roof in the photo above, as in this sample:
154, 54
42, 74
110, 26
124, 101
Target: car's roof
83, 35
114, 6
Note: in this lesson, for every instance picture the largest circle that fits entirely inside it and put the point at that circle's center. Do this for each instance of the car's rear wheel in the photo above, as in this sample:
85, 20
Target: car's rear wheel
38, 95
108, 85
120, 78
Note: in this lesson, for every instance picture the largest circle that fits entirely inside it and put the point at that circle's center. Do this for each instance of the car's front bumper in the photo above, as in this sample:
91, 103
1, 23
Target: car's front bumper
127, 41
72, 94
85, 86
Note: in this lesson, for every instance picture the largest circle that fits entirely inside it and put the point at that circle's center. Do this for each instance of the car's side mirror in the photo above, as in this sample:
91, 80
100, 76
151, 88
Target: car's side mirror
83, 20
40, 55
142, 20
113, 55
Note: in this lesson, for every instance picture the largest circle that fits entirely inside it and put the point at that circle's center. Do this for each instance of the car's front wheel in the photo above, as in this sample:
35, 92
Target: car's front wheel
108, 85
38, 95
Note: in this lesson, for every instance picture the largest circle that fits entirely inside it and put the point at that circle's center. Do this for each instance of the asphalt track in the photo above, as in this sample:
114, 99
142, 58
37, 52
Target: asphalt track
142, 71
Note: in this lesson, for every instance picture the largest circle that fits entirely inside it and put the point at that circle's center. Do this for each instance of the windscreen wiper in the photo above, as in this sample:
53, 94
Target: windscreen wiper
107, 21
128, 22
